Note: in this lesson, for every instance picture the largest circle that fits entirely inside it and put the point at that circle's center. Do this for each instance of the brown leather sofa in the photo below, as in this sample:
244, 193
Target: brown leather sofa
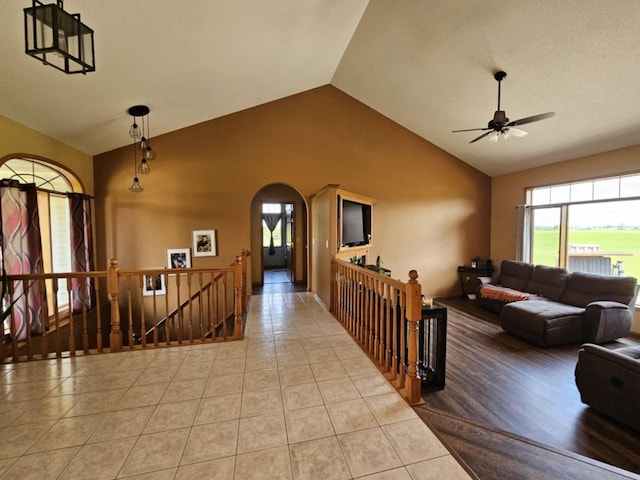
550, 306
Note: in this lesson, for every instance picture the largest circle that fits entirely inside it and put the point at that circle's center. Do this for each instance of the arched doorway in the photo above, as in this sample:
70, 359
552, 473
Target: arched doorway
279, 219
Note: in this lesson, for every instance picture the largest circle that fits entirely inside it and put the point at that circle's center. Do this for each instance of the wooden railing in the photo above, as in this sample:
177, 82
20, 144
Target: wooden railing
132, 309
382, 314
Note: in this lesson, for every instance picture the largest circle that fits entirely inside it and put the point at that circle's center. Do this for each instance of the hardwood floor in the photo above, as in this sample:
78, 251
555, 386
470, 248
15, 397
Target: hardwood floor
497, 380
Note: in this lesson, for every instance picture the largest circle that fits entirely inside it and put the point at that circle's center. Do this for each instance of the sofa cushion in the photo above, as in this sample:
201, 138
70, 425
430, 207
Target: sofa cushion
543, 322
550, 282
584, 288
515, 275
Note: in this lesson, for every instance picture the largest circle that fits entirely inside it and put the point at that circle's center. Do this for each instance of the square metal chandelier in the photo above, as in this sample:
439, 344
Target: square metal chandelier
58, 38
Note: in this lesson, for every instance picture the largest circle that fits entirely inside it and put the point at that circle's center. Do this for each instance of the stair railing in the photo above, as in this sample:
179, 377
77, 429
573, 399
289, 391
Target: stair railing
192, 306
382, 315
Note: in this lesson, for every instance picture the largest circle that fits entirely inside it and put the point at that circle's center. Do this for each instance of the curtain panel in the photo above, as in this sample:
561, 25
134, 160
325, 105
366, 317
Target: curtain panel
523, 233
83, 290
271, 220
22, 254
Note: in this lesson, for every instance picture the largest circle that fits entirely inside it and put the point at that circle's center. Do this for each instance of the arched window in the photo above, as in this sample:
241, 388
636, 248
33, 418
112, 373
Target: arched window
58, 192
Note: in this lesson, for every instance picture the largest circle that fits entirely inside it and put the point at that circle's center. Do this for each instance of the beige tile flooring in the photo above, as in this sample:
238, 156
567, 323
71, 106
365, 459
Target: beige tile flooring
296, 399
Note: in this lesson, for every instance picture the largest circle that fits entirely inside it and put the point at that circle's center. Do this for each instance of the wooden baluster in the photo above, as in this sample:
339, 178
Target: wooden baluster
130, 304
201, 307
113, 290
190, 305
85, 326
237, 277
245, 255
167, 330
72, 333
369, 316
358, 293
56, 319
343, 293
98, 310
388, 325
44, 319
225, 295
27, 318
393, 337
180, 311
414, 314
143, 322
383, 324
12, 324
377, 321
213, 301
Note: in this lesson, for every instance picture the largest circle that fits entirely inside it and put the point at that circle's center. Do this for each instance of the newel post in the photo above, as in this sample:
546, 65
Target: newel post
238, 308
245, 255
414, 315
113, 289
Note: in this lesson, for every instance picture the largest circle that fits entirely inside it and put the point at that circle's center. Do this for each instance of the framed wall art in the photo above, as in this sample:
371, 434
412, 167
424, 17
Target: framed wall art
179, 258
154, 284
204, 243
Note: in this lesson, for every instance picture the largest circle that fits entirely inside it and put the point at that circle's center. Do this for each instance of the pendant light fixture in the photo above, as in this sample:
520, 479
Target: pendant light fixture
58, 38
140, 142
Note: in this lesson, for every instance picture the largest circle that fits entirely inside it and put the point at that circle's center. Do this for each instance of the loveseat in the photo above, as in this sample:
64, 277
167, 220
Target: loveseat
551, 306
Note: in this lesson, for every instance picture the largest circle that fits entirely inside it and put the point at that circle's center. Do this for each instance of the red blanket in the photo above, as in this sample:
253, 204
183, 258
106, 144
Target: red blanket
502, 293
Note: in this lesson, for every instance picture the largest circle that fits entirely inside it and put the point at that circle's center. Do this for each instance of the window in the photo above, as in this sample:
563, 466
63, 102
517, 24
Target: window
52, 183
271, 225
591, 226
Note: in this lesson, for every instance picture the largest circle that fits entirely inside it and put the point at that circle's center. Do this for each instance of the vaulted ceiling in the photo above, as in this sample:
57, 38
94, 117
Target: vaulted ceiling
426, 64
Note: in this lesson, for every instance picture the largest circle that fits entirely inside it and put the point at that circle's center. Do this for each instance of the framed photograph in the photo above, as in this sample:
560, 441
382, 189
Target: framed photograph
179, 258
154, 283
204, 243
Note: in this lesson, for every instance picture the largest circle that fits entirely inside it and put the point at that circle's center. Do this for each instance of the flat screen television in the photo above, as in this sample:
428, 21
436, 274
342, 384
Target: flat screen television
356, 223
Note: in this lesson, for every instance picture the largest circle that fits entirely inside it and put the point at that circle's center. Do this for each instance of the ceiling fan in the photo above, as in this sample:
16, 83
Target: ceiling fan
500, 125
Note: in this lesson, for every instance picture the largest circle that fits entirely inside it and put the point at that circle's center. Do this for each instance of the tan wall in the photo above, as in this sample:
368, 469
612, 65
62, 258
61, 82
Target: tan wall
431, 213
509, 191
16, 140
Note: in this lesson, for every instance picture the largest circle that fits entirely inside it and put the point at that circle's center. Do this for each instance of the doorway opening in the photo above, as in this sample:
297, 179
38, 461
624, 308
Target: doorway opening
279, 233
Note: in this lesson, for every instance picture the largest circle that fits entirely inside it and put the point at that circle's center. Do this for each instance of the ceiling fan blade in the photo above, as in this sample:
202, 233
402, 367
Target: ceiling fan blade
516, 132
470, 130
534, 118
482, 136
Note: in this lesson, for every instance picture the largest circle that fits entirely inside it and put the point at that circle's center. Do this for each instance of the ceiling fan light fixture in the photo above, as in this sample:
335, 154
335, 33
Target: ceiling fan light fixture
500, 124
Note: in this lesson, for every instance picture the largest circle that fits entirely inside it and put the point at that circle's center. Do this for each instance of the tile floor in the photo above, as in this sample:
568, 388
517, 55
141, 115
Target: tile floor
296, 399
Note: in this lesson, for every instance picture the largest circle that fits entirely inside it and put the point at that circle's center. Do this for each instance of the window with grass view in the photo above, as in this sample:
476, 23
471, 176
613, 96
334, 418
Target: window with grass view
591, 226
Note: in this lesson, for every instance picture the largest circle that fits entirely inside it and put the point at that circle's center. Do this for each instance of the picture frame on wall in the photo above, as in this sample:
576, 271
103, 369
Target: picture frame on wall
179, 258
204, 243
154, 285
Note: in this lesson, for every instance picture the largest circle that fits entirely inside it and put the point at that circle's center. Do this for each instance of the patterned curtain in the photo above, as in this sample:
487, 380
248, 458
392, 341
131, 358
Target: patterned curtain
81, 251
22, 254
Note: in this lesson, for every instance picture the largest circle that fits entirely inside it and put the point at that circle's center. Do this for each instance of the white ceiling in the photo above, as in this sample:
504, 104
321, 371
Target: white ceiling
426, 64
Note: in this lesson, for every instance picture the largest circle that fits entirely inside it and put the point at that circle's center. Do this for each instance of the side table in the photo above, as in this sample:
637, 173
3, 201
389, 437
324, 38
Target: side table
432, 347
469, 275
